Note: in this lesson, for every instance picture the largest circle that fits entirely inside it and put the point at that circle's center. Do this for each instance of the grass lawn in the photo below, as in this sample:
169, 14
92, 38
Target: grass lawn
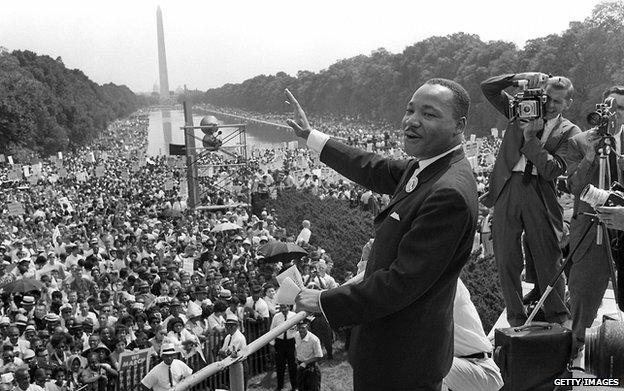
336, 375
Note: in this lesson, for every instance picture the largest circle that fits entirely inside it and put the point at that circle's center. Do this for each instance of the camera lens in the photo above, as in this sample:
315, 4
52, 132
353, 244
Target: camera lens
604, 349
526, 109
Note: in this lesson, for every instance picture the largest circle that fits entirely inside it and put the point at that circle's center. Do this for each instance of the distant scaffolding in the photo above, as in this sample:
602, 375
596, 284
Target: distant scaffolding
205, 172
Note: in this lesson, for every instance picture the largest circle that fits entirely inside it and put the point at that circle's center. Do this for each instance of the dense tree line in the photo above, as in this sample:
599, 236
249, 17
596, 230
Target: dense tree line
591, 53
45, 107
337, 228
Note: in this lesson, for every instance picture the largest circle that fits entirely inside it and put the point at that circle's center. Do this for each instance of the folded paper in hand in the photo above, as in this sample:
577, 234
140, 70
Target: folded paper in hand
287, 291
294, 275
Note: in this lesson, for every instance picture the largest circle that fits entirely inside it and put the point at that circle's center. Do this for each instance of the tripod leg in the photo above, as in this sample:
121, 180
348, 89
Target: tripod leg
556, 277
612, 268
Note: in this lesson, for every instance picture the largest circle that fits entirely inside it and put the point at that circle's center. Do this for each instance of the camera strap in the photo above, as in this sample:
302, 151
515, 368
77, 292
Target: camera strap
528, 168
613, 169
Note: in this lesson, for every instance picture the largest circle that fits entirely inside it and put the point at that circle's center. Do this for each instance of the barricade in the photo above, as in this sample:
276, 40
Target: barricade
259, 362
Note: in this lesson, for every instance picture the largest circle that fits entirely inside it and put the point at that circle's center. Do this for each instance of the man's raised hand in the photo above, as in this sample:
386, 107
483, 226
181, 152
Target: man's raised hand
300, 124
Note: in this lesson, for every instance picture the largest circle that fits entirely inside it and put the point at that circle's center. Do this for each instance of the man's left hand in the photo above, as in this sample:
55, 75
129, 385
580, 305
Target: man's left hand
308, 300
531, 128
611, 216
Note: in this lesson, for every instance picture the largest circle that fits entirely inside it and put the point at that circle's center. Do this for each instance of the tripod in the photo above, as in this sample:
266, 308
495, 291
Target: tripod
602, 235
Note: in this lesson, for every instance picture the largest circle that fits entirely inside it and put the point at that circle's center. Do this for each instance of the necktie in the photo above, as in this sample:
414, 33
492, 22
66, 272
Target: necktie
321, 283
528, 168
170, 377
285, 317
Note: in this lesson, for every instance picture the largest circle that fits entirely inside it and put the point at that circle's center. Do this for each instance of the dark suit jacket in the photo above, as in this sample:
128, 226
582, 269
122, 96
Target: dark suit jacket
549, 160
404, 306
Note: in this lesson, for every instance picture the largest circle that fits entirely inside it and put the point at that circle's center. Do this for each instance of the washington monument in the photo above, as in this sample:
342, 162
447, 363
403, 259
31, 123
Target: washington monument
162, 59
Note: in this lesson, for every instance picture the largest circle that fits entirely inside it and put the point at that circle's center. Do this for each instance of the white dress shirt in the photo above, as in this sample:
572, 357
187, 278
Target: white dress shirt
278, 319
308, 347
158, 378
235, 342
260, 306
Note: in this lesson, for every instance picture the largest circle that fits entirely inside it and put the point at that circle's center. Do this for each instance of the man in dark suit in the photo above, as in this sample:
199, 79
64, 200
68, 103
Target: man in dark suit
403, 310
523, 195
590, 270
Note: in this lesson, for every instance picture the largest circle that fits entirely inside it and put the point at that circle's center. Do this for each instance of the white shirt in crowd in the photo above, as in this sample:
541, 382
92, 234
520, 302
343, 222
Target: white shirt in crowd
260, 306
308, 347
304, 236
235, 342
278, 319
158, 378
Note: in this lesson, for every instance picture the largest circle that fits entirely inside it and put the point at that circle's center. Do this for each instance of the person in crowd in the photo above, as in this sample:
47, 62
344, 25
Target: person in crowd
434, 192
308, 348
259, 308
284, 346
590, 272
168, 373
304, 235
523, 195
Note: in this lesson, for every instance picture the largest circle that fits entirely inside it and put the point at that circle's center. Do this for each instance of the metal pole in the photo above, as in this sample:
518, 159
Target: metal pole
237, 377
191, 168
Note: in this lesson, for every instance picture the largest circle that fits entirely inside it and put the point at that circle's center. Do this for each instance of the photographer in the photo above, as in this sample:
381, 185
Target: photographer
522, 189
590, 270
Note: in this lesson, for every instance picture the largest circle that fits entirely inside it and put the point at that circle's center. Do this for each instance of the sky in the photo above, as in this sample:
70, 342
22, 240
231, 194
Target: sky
213, 42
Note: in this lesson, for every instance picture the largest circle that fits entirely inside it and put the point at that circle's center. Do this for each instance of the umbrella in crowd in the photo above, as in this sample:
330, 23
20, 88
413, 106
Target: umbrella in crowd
23, 285
225, 227
281, 252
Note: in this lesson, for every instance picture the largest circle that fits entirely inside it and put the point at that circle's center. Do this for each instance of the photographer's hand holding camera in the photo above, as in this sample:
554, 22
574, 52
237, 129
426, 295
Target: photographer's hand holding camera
522, 185
590, 270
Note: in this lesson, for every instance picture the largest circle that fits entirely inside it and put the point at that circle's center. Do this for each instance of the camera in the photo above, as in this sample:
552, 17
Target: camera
527, 104
595, 196
602, 116
604, 349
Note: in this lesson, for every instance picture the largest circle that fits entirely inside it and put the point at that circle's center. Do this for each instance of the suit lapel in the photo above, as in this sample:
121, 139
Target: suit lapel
555, 135
423, 177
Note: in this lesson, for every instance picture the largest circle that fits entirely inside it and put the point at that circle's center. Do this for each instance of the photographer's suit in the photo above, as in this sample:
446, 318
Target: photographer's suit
590, 271
530, 207
403, 311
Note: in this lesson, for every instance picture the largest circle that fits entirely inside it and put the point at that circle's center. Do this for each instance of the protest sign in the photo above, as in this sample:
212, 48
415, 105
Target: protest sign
494, 132
2, 158
188, 265
15, 208
471, 149
10, 159
81, 176
133, 366
62, 172
99, 171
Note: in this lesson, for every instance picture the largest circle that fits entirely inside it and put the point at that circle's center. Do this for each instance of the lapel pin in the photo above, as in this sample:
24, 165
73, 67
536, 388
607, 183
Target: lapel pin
411, 184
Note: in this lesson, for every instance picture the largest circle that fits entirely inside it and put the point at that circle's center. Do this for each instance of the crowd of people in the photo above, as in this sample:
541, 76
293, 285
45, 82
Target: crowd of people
100, 255
124, 264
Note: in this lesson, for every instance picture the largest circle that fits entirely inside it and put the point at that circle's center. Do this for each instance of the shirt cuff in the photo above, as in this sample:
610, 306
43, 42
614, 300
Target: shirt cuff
316, 140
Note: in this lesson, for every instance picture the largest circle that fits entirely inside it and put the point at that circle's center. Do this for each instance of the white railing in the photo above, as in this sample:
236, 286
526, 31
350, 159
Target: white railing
235, 364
